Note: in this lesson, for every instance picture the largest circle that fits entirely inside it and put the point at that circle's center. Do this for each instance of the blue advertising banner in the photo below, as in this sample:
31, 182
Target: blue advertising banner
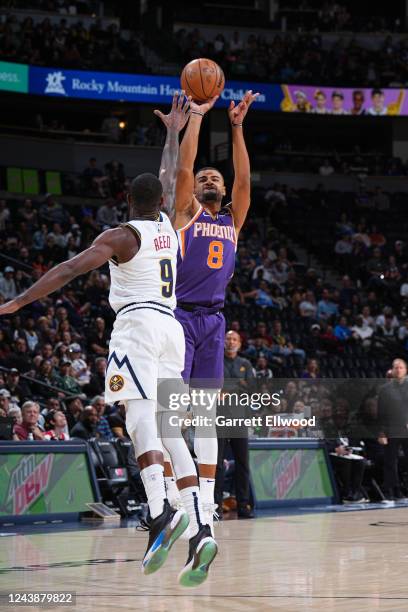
136, 87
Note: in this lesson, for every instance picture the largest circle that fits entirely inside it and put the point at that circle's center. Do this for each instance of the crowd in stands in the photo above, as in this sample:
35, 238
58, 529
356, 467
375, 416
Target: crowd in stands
68, 45
294, 57
299, 58
332, 16
292, 322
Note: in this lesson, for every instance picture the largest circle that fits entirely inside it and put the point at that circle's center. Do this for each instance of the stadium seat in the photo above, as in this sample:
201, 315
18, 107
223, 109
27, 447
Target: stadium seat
113, 477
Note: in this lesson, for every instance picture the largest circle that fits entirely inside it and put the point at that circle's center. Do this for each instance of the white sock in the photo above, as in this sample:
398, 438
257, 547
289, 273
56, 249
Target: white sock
153, 480
192, 503
207, 490
173, 494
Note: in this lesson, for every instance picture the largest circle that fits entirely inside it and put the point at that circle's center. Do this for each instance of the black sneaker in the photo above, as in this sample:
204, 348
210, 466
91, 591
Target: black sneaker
245, 512
202, 551
163, 532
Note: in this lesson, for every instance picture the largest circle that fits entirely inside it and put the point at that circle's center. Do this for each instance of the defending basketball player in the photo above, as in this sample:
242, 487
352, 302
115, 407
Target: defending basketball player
147, 343
208, 236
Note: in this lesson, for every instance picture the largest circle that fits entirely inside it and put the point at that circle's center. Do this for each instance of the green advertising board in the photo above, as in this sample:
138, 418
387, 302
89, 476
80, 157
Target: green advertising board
13, 77
44, 483
289, 474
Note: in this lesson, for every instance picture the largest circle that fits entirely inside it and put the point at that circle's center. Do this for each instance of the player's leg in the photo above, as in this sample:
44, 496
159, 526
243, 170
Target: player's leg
172, 491
167, 524
131, 378
185, 320
202, 546
208, 367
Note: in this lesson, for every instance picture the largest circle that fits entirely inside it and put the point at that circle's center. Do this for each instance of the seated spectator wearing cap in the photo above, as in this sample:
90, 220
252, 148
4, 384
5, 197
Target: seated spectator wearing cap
80, 369
104, 430
96, 384
30, 412
7, 284
65, 381
86, 427
19, 390
56, 427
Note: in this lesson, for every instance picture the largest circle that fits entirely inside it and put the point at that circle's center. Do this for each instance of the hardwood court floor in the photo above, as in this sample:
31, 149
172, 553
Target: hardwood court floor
333, 562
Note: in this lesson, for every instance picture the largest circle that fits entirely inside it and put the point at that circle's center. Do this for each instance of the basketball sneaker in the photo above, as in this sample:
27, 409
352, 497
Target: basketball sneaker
202, 551
164, 530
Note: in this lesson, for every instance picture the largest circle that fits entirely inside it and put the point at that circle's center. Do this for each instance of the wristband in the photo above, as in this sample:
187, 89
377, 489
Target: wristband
197, 113
236, 124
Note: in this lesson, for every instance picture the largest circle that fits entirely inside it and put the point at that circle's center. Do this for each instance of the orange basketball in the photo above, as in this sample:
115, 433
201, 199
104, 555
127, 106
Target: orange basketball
202, 79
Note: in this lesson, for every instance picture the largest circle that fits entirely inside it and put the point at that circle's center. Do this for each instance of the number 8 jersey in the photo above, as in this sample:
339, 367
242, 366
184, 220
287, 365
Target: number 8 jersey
150, 275
206, 258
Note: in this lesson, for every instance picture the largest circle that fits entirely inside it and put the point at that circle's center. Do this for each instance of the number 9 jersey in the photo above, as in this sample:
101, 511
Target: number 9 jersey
150, 275
147, 342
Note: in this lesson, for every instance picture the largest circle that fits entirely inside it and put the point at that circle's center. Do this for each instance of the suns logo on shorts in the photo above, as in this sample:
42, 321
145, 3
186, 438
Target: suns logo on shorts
116, 382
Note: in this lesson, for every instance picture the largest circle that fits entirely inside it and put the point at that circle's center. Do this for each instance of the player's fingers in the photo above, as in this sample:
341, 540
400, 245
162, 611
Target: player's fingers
186, 106
232, 104
181, 100
175, 98
159, 114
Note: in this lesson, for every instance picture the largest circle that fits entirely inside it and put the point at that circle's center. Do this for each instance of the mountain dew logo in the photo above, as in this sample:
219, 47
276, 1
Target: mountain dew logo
28, 481
286, 473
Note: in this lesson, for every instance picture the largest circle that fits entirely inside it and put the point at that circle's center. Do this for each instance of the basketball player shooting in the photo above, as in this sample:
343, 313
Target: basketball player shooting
208, 235
147, 343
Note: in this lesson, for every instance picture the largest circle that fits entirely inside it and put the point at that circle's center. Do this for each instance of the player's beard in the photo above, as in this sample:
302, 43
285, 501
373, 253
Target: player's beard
210, 195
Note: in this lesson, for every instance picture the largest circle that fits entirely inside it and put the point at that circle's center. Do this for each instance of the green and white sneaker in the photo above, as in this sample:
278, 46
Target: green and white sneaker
202, 552
164, 530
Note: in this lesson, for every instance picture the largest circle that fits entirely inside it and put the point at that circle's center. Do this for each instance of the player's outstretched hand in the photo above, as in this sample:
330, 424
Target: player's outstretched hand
237, 113
179, 113
9, 307
204, 107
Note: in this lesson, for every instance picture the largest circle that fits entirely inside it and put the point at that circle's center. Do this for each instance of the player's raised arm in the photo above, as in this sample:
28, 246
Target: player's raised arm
101, 250
174, 122
241, 190
186, 204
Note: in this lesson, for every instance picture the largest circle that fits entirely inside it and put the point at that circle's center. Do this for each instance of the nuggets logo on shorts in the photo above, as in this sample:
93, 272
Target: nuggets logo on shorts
116, 382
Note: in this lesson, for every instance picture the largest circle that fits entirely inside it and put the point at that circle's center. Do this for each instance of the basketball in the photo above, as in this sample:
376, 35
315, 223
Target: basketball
202, 79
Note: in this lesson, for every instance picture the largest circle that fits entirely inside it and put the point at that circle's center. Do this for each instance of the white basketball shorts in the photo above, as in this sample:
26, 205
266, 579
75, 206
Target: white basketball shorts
146, 345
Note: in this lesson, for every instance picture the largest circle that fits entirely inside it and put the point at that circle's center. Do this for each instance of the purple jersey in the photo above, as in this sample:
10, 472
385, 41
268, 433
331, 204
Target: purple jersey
206, 258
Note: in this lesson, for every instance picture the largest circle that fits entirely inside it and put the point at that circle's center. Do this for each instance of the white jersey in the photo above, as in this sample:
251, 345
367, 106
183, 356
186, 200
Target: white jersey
150, 276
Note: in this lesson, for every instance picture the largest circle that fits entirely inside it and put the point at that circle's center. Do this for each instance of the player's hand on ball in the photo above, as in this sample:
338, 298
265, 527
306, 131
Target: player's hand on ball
9, 307
204, 107
237, 113
179, 113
